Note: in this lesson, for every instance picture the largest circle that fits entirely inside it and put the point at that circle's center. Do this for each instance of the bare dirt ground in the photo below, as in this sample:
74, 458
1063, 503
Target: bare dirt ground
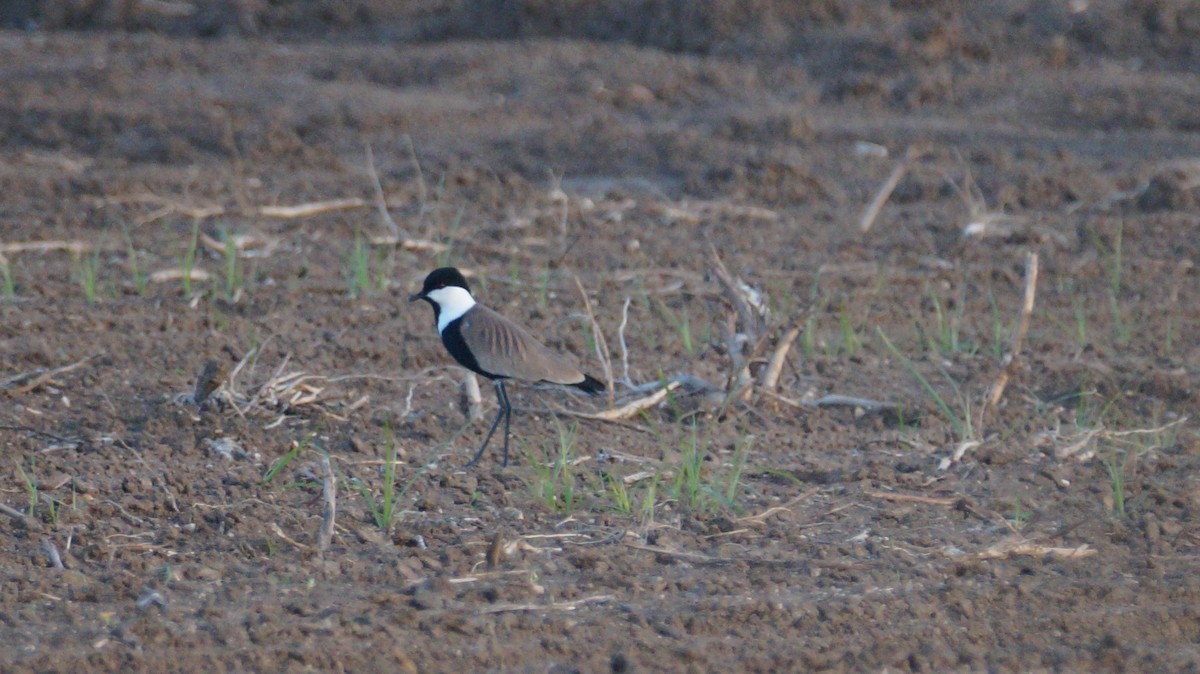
533, 144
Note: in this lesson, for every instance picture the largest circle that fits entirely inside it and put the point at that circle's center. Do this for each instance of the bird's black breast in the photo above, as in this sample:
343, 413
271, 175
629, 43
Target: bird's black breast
457, 346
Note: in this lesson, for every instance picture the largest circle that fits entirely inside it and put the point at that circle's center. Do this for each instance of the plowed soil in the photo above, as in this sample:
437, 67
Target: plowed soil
918, 491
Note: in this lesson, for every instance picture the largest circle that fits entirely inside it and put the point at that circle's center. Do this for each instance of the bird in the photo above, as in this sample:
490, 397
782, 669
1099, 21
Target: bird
495, 347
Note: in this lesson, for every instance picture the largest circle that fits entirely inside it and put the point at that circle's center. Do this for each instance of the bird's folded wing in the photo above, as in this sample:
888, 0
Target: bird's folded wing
505, 349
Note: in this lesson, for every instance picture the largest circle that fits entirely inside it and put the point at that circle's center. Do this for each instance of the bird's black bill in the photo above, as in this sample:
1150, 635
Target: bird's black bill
504, 411
416, 296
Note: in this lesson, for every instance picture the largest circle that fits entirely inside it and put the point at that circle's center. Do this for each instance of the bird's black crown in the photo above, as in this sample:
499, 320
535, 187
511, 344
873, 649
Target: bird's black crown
443, 277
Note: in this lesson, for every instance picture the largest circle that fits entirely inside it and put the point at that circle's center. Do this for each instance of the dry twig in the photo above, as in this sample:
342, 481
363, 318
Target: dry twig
75, 248
913, 498
28, 381
770, 377
471, 396
1018, 334
310, 208
849, 401
1020, 546
380, 201
601, 343
911, 155
51, 551
178, 274
560, 606
621, 340
751, 317
631, 408
19, 516
288, 539
329, 513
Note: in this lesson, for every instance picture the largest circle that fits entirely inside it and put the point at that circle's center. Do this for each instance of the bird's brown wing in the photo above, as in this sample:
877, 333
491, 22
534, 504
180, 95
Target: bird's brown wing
504, 348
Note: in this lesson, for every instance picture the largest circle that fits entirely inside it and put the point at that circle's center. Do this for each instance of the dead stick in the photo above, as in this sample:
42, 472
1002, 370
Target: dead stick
740, 380
418, 245
380, 199
472, 397
422, 194
44, 434
562, 606
17, 515
73, 247
310, 208
912, 154
1003, 551
912, 498
1019, 330
632, 408
770, 377
51, 551
601, 344
279, 532
40, 376
866, 404
329, 514
621, 341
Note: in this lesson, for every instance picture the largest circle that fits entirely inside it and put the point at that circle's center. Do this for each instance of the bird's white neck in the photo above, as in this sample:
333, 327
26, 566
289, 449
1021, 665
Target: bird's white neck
452, 302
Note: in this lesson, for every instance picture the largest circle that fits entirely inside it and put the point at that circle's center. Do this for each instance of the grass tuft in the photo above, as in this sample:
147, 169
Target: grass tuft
87, 269
554, 482
963, 430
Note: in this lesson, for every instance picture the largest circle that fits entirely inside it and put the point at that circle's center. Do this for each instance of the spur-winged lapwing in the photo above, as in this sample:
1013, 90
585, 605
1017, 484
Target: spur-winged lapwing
487, 343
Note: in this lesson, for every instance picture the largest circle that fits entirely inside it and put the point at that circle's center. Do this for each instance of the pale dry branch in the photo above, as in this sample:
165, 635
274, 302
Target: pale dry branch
751, 316
288, 539
850, 401
178, 274
521, 545
329, 512
911, 155
785, 508
471, 396
75, 248
792, 402
601, 343
28, 381
1144, 431
245, 245
913, 498
415, 245
695, 211
1019, 546
982, 222
770, 377
560, 606
52, 555
19, 516
621, 340
634, 478
310, 208
150, 598
709, 559
633, 407
422, 192
1009, 362
1081, 445
380, 201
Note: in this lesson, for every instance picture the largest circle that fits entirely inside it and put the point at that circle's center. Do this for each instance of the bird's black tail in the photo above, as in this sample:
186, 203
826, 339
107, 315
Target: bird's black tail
591, 385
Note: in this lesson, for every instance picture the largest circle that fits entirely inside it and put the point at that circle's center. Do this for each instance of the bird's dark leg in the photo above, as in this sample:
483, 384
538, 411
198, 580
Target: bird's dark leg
505, 411
503, 395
